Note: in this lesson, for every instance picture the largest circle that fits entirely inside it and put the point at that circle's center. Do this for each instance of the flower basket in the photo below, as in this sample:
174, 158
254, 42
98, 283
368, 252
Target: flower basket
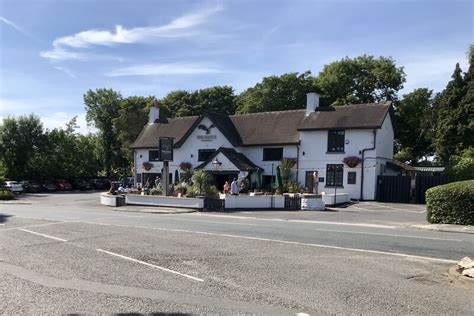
352, 161
185, 166
147, 166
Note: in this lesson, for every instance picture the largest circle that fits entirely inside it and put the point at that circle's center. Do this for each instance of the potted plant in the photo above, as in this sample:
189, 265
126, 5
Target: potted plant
147, 165
352, 161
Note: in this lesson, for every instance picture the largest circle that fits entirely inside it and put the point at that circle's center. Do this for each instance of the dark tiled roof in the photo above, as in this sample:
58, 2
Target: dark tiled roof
267, 128
176, 128
238, 159
360, 116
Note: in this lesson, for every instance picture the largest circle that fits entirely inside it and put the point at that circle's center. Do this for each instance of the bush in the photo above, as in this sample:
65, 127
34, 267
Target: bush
461, 167
212, 191
451, 203
6, 195
156, 191
192, 192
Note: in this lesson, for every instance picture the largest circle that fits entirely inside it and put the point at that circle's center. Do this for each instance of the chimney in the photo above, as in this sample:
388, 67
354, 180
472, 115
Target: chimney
312, 102
154, 114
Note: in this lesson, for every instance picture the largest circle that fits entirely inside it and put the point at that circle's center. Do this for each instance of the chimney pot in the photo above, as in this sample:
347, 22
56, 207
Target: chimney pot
154, 114
312, 102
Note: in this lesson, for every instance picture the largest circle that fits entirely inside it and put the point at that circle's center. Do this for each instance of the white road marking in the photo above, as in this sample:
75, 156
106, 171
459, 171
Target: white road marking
413, 210
30, 226
150, 265
43, 235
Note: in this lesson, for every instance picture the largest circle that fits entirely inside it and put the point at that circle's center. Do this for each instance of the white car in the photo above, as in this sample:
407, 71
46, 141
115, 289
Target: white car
14, 186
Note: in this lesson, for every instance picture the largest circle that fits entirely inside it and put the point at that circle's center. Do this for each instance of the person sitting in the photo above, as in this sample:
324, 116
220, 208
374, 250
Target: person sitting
226, 187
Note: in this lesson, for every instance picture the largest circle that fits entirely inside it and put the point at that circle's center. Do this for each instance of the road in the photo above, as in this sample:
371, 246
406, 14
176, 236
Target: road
66, 254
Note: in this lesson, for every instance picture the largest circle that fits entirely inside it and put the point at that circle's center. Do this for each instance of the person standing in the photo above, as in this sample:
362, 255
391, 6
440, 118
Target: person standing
234, 188
226, 187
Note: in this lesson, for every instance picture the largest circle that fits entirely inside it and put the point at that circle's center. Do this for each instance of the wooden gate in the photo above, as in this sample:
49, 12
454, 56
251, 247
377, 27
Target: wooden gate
423, 183
395, 189
292, 203
214, 205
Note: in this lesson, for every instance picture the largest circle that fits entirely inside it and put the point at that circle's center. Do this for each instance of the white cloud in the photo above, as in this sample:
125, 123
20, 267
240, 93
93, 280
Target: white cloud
60, 119
184, 26
16, 27
163, 69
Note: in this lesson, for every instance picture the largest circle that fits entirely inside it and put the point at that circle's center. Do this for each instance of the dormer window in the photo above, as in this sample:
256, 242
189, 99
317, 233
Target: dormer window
336, 139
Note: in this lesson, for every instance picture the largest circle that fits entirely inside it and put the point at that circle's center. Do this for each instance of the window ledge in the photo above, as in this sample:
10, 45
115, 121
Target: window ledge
335, 152
332, 187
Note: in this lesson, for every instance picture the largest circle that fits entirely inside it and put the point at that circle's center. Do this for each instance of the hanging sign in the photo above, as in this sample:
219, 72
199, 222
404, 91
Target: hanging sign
165, 149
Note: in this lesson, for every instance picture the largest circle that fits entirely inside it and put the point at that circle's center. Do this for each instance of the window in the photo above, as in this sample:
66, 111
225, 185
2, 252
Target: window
351, 177
272, 154
204, 154
153, 155
336, 141
334, 175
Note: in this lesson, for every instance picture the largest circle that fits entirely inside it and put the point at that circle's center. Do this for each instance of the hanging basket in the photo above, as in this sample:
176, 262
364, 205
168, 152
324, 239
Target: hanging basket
147, 166
352, 161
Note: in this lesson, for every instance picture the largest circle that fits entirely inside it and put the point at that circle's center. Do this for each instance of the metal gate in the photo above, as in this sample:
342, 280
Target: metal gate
292, 203
394, 189
213, 205
423, 183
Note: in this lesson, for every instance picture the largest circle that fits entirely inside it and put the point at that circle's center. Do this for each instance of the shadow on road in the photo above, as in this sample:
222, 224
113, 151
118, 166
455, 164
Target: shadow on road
4, 217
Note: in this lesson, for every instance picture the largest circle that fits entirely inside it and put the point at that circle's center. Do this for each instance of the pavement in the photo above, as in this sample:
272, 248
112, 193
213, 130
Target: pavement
67, 254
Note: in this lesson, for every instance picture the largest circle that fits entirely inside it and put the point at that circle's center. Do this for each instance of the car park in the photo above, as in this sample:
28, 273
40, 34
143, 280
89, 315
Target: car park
81, 184
14, 186
63, 185
100, 184
31, 186
48, 186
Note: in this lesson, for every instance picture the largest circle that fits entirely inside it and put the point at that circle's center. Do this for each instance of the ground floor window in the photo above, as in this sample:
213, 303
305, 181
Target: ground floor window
351, 177
267, 182
139, 178
334, 175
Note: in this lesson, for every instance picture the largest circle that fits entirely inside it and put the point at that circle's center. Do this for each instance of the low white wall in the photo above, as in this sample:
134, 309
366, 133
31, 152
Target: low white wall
259, 201
169, 201
341, 198
110, 200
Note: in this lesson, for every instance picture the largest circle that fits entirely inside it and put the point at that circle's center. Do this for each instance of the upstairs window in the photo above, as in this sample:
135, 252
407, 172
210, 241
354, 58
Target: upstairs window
336, 139
153, 155
272, 154
204, 154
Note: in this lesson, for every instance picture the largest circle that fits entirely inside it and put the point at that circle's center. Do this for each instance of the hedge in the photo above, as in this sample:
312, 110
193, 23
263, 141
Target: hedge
451, 203
6, 195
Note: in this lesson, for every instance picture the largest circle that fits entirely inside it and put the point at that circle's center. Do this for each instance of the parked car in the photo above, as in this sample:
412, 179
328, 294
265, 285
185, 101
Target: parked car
31, 186
48, 186
14, 186
81, 184
63, 185
100, 184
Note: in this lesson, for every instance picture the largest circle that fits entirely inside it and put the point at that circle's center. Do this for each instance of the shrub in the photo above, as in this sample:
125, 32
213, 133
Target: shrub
461, 167
451, 203
6, 195
201, 180
212, 191
192, 192
156, 191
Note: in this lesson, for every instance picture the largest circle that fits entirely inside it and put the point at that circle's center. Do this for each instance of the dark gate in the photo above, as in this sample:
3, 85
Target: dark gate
292, 203
213, 205
395, 189
423, 183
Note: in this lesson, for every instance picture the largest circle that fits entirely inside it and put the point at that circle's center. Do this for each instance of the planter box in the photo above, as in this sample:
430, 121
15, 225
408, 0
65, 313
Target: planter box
254, 202
168, 201
340, 198
312, 202
112, 200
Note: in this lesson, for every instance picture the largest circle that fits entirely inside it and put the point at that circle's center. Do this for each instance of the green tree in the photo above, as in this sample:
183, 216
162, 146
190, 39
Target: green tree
461, 167
412, 131
20, 139
363, 79
131, 117
102, 107
277, 93
180, 103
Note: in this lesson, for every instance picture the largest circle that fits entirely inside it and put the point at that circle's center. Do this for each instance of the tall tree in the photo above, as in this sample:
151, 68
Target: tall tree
363, 79
277, 93
132, 116
412, 132
20, 139
102, 107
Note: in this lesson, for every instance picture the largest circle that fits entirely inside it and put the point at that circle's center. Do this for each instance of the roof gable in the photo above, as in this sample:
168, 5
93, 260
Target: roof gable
239, 160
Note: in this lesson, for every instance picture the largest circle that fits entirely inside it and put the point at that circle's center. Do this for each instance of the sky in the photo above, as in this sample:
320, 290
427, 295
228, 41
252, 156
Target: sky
52, 52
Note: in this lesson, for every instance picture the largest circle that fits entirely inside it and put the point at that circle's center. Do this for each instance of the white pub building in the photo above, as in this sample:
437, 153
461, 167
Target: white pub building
319, 140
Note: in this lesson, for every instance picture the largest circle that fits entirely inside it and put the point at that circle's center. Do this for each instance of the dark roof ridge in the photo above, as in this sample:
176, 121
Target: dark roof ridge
268, 112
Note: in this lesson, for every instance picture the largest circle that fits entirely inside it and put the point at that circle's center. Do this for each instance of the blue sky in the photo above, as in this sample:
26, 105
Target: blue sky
52, 52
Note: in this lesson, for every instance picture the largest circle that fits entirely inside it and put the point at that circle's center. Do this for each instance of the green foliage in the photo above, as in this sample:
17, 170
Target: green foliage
6, 195
461, 167
277, 93
179, 103
201, 180
413, 126
451, 203
156, 191
212, 191
360, 80
294, 187
286, 171
192, 191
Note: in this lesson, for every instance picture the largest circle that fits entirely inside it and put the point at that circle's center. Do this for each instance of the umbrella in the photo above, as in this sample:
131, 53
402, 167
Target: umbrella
176, 177
259, 180
277, 184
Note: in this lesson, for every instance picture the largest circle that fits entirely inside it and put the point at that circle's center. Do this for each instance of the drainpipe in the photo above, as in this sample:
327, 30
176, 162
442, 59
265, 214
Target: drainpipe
297, 162
362, 165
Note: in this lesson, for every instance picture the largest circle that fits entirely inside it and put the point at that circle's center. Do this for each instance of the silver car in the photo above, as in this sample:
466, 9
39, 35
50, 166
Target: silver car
14, 186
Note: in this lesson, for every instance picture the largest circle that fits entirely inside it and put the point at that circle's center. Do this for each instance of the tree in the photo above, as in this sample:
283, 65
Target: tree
277, 93
412, 132
102, 107
461, 167
363, 79
180, 103
131, 117
20, 139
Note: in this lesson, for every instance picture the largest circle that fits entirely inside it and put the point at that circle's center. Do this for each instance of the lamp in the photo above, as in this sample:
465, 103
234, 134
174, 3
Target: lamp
216, 162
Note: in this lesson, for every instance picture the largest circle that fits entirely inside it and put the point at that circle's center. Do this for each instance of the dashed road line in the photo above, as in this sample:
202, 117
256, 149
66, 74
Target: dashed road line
151, 265
43, 235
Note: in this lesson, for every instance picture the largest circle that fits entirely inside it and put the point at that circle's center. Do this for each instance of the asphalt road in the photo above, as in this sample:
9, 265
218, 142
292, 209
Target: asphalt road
66, 254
